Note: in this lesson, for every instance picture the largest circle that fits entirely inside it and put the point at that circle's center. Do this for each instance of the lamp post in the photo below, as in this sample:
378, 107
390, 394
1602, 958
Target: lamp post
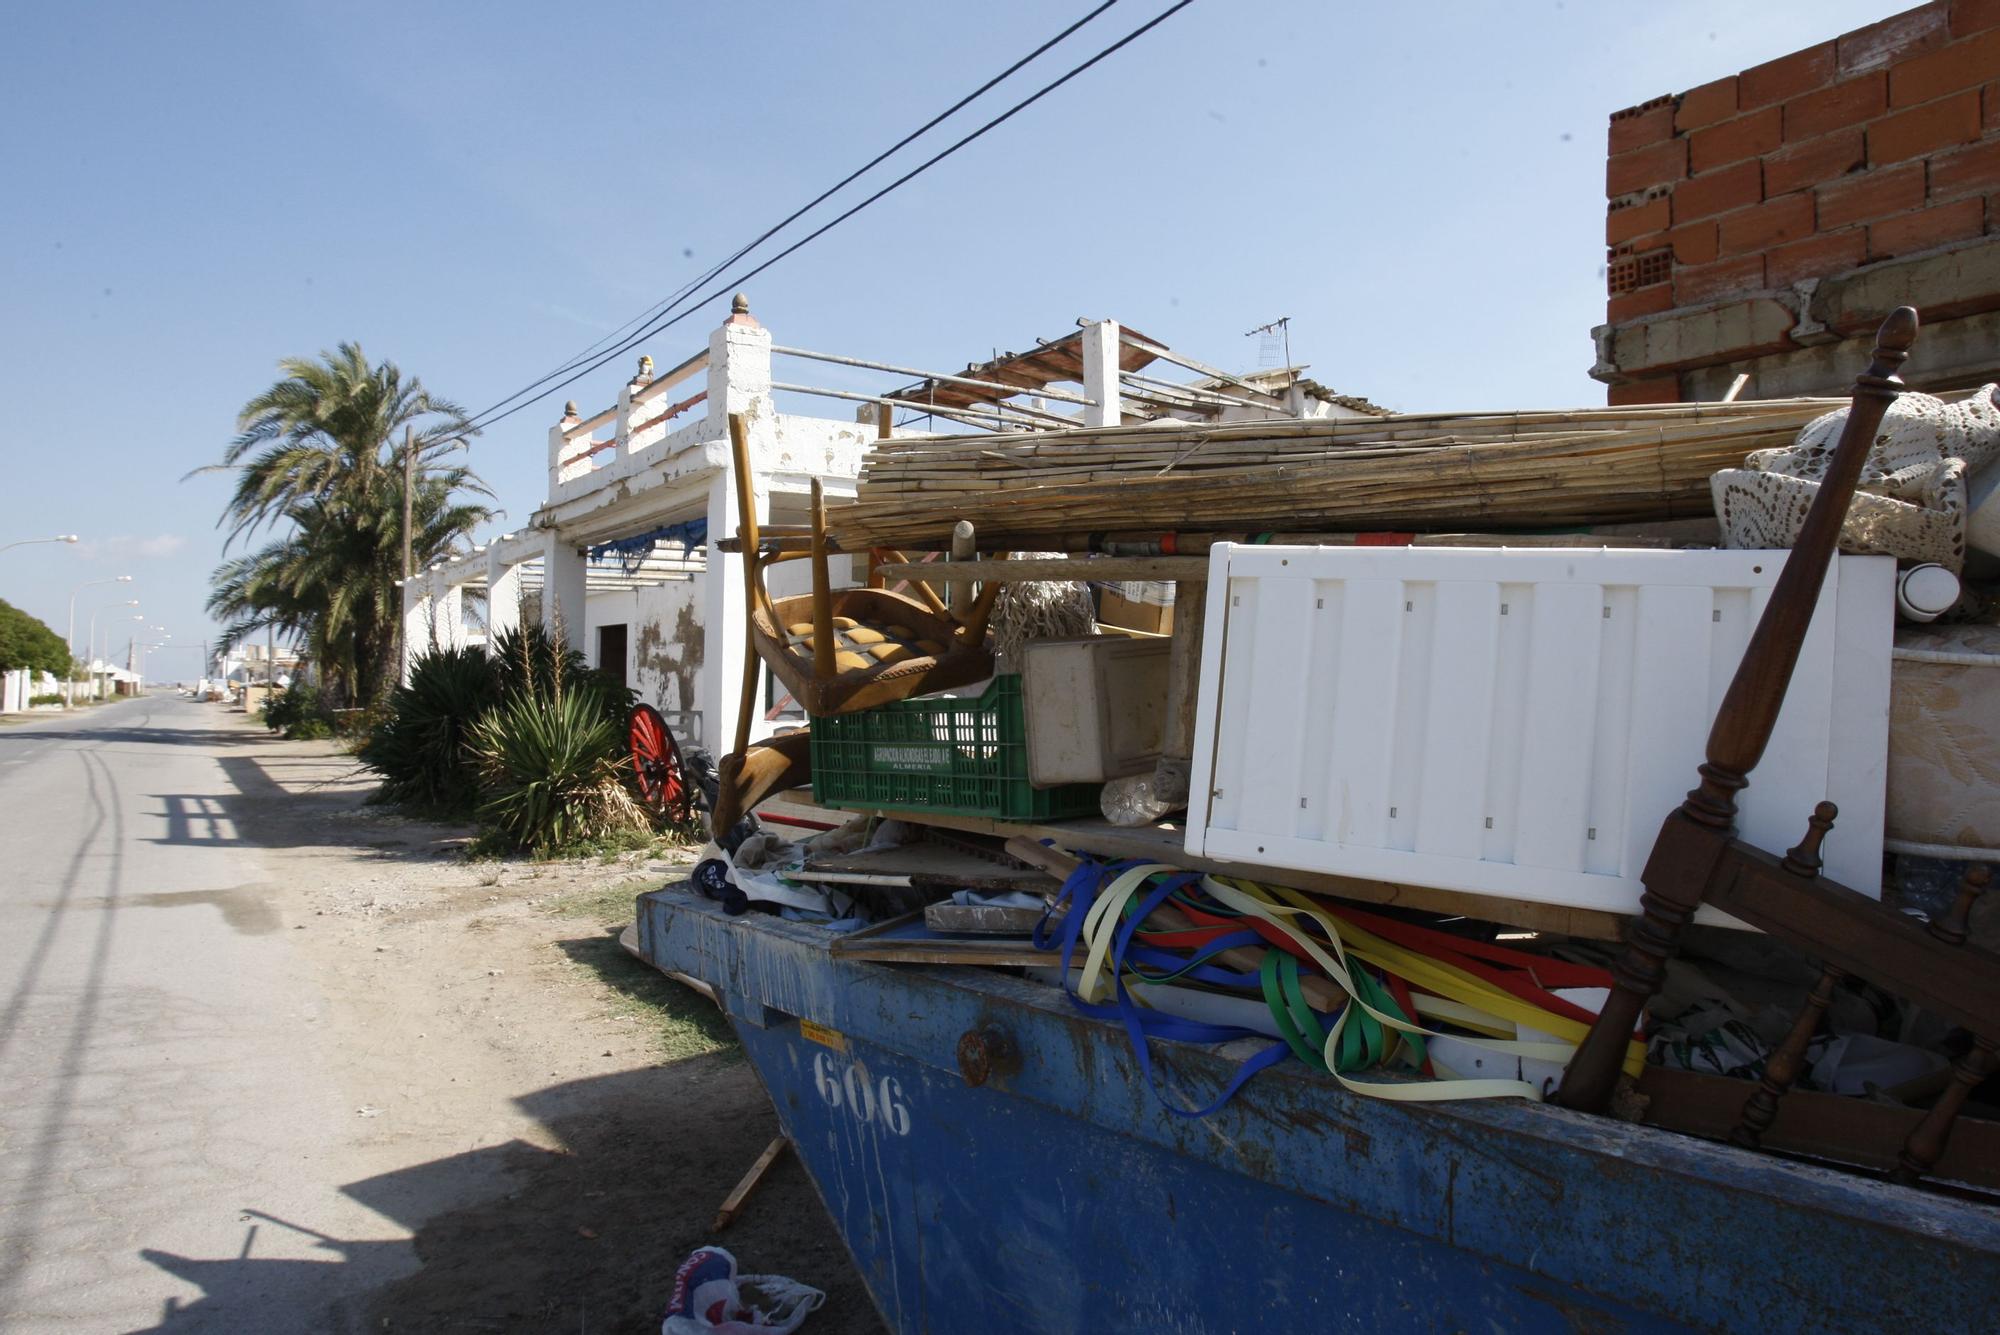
90, 641
140, 665
69, 687
23, 542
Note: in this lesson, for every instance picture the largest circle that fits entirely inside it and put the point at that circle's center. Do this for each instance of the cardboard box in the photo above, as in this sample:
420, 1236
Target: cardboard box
1137, 607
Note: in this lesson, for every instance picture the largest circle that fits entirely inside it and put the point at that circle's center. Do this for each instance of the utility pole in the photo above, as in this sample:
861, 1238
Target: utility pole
409, 567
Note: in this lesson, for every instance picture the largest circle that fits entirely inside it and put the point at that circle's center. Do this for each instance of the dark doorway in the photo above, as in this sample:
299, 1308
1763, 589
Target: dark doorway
611, 652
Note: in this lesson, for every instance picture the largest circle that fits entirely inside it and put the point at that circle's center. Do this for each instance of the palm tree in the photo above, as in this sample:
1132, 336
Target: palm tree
320, 456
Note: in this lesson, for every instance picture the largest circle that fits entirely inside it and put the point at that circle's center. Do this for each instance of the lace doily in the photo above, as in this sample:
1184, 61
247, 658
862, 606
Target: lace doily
1911, 502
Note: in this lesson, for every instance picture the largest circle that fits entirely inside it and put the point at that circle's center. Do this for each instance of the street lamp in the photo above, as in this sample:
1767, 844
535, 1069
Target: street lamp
90, 641
60, 537
70, 639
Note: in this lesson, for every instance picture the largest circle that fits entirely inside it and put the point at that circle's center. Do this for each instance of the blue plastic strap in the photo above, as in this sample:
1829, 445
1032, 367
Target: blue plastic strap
1078, 893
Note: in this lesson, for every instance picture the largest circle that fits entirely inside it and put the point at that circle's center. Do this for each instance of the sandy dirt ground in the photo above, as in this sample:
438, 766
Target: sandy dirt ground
553, 1143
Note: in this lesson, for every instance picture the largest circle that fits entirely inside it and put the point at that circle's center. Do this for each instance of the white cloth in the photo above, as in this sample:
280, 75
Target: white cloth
1912, 499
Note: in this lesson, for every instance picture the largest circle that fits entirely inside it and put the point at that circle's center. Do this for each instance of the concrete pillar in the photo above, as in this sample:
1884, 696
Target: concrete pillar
559, 447
723, 609
628, 412
416, 621
503, 598
448, 621
739, 367
564, 589
1100, 372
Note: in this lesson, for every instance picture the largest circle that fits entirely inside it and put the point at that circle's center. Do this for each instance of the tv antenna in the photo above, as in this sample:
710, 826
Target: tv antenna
1275, 342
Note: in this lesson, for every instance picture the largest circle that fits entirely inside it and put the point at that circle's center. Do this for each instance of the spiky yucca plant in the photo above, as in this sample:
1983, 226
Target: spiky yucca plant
552, 755
420, 749
552, 771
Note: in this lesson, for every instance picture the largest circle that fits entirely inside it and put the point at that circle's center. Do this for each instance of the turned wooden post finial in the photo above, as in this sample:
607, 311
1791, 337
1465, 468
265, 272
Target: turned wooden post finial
1951, 928
1803, 858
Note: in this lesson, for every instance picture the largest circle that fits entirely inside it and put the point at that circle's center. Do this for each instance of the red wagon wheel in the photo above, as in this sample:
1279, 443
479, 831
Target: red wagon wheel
656, 764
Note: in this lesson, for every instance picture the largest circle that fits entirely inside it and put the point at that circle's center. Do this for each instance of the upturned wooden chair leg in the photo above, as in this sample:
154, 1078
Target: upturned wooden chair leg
1782, 1068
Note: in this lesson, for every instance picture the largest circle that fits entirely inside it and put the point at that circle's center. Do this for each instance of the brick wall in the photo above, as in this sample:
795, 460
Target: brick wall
1880, 144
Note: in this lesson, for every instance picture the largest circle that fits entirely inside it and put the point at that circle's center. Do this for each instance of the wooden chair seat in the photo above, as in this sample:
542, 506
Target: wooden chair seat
890, 647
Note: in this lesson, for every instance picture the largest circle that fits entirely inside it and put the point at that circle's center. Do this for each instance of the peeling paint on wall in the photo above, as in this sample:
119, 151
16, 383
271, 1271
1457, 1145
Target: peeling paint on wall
672, 657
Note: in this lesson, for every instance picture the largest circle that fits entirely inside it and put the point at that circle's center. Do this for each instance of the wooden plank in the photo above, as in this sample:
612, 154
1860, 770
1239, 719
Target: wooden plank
733, 1205
1163, 843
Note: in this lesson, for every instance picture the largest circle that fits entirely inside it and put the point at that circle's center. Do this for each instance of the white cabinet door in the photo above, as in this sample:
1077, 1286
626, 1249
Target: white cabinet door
1518, 722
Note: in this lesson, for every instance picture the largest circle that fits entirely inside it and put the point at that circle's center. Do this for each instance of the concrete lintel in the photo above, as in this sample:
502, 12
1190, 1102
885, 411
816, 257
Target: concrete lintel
1950, 354
1678, 340
1942, 285
648, 500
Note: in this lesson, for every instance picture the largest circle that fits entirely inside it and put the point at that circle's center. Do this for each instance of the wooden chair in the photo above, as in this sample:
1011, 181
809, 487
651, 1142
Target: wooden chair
1697, 859
906, 646
902, 646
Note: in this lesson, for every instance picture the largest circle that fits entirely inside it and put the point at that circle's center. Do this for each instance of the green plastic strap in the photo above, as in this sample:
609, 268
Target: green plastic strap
1295, 1001
1267, 975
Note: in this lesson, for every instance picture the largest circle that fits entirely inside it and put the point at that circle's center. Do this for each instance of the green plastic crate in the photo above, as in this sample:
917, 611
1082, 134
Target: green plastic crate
957, 755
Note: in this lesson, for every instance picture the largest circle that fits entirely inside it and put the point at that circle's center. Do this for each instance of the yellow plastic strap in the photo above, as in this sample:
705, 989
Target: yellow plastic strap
1448, 980
1335, 968
1461, 998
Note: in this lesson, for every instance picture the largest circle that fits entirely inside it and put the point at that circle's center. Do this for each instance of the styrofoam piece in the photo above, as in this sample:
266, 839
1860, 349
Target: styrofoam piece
1095, 707
1518, 722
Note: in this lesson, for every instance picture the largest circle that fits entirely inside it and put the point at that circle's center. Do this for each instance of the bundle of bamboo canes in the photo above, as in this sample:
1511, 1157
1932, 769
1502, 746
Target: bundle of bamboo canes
1470, 470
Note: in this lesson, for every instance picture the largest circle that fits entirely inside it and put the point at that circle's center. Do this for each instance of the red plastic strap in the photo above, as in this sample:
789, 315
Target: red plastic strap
1518, 976
1545, 971
1400, 990
1529, 979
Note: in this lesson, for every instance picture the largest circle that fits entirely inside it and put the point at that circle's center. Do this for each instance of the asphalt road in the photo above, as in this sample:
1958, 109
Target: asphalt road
165, 1086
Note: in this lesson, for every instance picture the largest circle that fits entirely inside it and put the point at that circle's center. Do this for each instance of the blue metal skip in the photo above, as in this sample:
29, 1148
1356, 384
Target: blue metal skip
1060, 1196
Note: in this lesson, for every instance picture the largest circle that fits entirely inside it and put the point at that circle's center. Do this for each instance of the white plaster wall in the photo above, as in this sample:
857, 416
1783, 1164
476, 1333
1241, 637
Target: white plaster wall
665, 645
816, 445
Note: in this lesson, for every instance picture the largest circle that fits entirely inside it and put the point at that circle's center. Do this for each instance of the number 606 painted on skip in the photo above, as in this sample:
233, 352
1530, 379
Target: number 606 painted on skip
847, 1085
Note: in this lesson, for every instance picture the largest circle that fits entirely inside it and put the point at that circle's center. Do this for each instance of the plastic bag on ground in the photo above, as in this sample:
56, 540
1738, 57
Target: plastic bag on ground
710, 1298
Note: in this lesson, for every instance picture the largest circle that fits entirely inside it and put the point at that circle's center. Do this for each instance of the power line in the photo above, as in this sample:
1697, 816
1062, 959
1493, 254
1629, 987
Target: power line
661, 307
664, 323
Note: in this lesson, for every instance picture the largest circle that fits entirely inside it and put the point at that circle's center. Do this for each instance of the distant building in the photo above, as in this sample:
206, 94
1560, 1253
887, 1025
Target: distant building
638, 493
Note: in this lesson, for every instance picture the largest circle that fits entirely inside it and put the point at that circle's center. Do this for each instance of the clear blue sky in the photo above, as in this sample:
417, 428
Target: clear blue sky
476, 192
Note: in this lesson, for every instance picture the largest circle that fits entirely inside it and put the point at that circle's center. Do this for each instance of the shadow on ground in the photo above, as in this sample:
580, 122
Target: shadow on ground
582, 1238
291, 801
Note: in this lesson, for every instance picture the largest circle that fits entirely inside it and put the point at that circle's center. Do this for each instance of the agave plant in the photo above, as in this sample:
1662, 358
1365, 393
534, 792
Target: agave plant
531, 660
420, 749
552, 770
